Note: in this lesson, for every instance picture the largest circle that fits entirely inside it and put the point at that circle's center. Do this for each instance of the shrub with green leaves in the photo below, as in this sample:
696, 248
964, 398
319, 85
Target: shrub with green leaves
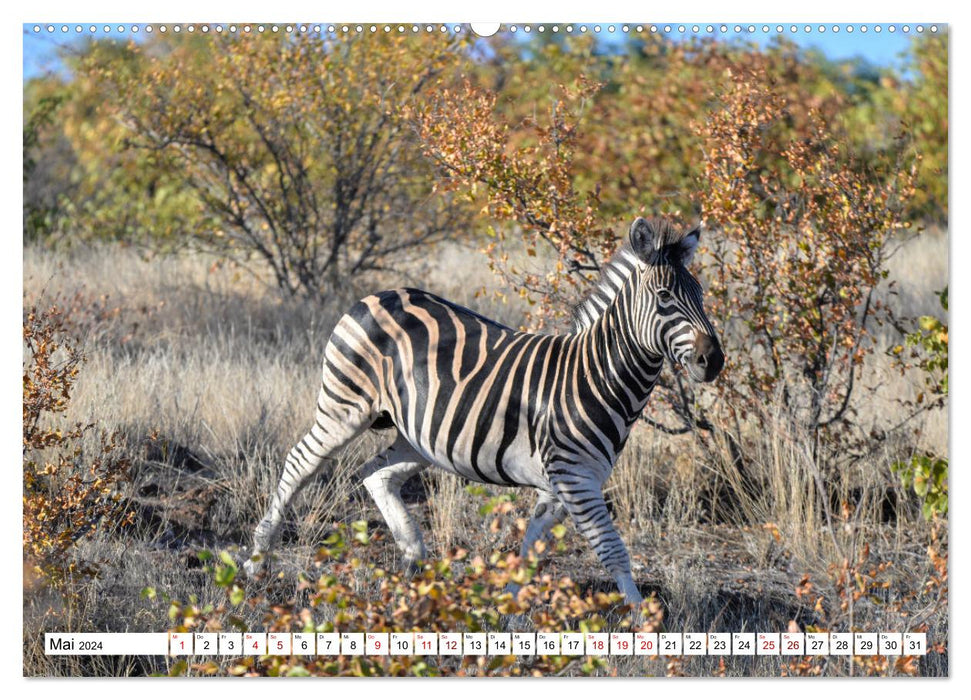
927, 474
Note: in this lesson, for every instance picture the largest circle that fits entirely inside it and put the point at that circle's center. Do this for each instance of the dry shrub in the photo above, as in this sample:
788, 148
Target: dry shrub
68, 492
804, 233
864, 589
290, 150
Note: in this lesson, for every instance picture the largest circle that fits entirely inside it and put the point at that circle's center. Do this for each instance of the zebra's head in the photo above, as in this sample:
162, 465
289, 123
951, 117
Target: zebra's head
672, 316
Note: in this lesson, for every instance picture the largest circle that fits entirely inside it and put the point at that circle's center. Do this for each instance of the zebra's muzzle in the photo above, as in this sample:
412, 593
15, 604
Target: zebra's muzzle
707, 359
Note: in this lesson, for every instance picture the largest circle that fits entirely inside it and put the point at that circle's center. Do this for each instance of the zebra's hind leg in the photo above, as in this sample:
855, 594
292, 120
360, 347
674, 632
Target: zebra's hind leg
333, 428
383, 476
547, 512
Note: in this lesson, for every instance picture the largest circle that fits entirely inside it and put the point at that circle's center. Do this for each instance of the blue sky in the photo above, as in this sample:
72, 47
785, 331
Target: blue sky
882, 48
878, 45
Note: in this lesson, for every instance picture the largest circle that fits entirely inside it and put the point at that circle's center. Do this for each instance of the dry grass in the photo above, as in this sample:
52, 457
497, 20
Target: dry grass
210, 377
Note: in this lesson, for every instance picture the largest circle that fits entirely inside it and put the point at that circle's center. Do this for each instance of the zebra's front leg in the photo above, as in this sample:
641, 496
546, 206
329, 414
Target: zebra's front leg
583, 500
547, 513
383, 477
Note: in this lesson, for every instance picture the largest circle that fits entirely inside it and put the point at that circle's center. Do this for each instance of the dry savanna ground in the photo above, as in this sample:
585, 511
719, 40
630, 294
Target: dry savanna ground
209, 378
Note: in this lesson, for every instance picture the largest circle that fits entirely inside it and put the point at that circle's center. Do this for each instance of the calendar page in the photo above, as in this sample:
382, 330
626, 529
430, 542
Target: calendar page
528, 349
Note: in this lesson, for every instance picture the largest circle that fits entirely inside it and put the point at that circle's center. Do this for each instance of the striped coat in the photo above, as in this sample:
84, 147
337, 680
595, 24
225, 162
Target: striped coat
499, 406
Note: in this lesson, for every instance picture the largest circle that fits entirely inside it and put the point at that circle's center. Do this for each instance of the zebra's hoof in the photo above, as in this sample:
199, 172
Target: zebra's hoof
253, 565
518, 623
412, 567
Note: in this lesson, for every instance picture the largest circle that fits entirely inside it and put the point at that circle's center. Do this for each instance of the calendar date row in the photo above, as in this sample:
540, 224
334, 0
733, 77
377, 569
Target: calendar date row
549, 644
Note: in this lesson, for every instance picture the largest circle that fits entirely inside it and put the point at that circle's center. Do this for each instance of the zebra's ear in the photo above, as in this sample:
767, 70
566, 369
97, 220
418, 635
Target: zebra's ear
689, 244
643, 238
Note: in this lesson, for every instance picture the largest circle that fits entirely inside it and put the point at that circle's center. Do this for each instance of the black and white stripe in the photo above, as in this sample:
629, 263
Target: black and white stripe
498, 406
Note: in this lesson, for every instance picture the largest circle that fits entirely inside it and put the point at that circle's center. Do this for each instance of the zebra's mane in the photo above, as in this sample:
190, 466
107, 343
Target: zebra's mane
615, 272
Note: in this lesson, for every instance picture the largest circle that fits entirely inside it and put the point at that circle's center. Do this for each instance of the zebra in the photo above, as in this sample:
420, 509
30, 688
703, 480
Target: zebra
499, 406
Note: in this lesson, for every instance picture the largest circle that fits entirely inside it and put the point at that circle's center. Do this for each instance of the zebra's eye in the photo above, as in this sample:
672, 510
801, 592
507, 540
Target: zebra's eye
663, 295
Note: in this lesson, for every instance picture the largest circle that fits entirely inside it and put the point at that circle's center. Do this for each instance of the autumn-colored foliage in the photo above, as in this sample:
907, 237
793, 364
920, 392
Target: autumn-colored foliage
459, 593
528, 182
296, 151
861, 582
800, 241
799, 226
67, 492
84, 182
923, 108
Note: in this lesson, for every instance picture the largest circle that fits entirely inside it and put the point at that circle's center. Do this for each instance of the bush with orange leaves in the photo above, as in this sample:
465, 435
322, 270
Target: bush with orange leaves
802, 235
800, 228
526, 174
68, 492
